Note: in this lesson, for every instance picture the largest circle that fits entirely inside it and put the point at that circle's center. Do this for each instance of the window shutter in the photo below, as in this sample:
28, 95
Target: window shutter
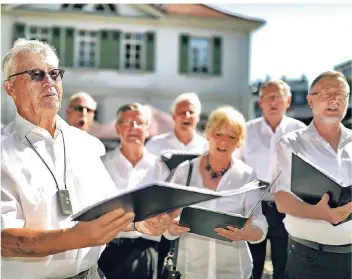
56, 41
217, 53
69, 48
150, 51
183, 53
109, 49
18, 31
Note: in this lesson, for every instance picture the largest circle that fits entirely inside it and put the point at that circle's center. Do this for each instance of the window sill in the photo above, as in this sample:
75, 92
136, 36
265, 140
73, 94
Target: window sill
193, 75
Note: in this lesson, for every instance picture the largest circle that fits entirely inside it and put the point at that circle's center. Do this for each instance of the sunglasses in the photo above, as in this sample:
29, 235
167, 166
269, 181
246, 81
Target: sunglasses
39, 75
81, 109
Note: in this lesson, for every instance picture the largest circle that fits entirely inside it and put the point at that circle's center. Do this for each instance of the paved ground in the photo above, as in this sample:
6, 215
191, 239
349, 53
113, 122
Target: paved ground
268, 267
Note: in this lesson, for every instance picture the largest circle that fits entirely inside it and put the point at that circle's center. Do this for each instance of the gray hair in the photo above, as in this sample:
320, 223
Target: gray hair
144, 110
83, 95
279, 83
20, 46
190, 97
334, 74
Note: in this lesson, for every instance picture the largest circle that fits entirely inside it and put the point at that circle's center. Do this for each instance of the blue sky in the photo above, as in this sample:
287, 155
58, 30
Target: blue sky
298, 38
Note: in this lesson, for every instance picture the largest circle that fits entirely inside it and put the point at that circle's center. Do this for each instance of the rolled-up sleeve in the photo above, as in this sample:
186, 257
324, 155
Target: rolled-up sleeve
11, 211
259, 220
283, 163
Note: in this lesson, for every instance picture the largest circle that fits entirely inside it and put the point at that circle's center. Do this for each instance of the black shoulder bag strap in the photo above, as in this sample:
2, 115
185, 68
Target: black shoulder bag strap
174, 243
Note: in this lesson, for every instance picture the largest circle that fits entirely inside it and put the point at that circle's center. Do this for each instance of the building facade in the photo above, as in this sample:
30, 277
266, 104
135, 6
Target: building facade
121, 53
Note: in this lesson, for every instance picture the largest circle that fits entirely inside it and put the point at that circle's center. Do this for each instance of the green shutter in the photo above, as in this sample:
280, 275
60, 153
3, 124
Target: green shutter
183, 53
69, 47
18, 31
109, 49
217, 53
150, 52
56, 41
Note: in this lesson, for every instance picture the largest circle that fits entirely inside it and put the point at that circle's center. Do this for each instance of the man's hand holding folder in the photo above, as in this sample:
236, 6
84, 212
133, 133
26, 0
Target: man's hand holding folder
333, 215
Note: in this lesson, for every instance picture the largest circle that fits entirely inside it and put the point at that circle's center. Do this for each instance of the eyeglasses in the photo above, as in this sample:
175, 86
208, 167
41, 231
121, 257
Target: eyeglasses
138, 123
81, 109
324, 96
272, 97
39, 75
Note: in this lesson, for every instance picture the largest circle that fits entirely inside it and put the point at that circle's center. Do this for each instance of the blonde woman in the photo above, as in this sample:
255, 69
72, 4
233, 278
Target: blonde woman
205, 258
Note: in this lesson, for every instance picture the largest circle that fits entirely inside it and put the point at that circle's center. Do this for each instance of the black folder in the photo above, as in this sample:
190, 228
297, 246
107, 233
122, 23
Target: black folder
156, 198
203, 221
172, 160
309, 183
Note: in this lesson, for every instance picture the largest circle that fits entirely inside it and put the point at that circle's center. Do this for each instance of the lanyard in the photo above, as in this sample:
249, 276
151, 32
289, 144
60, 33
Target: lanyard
63, 141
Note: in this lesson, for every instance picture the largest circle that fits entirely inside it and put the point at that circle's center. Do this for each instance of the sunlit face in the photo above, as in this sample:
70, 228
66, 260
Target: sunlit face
185, 117
223, 140
35, 97
80, 113
329, 99
133, 128
274, 102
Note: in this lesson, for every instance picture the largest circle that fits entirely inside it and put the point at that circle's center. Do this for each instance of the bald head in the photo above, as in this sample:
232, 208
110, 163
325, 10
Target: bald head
81, 111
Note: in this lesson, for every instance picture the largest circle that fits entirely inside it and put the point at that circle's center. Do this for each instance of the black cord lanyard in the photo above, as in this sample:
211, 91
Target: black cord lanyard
63, 195
52, 174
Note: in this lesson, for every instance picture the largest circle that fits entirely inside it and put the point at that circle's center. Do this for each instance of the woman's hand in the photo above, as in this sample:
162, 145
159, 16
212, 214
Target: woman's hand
248, 233
175, 229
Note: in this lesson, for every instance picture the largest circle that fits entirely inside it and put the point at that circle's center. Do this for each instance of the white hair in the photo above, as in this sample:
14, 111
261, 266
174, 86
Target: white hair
190, 97
278, 83
20, 46
83, 95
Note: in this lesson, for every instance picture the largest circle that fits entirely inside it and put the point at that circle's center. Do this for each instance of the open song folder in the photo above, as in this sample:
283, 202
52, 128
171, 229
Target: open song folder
309, 183
203, 221
172, 160
156, 198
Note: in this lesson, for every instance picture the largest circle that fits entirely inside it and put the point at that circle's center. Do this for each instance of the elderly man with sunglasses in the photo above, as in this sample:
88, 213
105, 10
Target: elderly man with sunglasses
320, 243
47, 173
80, 114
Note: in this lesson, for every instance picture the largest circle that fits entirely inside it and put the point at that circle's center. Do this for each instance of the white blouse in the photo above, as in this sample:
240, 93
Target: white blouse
201, 257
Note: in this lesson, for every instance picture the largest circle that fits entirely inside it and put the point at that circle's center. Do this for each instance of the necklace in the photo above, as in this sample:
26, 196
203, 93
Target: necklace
213, 174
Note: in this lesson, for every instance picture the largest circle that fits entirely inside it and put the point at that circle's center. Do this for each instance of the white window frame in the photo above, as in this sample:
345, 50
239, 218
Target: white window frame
39, 35
87, 39
143, 50
190, 56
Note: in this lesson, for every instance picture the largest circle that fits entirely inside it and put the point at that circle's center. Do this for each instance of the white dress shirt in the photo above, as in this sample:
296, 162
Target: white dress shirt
149, 169
28, 192
316, 149
169, 142
258, 150
201, 257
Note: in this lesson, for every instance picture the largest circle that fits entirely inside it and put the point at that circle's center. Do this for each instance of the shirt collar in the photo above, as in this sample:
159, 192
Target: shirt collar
146, 159
345, 132
194, 135
265, 127
23, 127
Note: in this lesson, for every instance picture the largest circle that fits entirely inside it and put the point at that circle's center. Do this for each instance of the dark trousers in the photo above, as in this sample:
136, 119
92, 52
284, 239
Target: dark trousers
278, 240
307, 263
126, 258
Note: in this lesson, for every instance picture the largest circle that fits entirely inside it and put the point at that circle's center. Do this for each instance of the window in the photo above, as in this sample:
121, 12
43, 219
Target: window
108, 8
299, 98
199, 56
133, 51
86, 49
39, 33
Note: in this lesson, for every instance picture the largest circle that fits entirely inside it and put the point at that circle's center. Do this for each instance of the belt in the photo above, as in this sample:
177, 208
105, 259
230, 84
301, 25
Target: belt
83, 274
339, 249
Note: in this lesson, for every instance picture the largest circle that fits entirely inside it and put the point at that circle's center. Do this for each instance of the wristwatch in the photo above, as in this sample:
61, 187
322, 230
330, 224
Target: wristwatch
133, 227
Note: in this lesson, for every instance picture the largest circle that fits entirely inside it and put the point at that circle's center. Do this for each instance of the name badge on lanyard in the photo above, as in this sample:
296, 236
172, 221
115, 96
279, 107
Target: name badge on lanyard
64, 202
